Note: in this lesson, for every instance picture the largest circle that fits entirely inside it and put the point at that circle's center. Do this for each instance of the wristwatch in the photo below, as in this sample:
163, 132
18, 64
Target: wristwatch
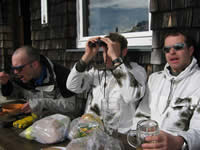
117, 60
185, 146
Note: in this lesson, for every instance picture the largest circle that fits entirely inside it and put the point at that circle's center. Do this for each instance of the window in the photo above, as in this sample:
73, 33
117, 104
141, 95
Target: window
128, 17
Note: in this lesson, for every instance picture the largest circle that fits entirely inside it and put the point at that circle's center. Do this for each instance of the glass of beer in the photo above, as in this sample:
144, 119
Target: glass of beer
145, 128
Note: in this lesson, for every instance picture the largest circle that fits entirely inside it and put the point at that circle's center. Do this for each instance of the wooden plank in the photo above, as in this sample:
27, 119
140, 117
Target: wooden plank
154, 6
196, 17
177, 4
164, 5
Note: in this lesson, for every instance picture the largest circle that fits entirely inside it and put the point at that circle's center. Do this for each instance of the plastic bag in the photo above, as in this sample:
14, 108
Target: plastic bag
85, 125
48, 130
98, 140
78, 144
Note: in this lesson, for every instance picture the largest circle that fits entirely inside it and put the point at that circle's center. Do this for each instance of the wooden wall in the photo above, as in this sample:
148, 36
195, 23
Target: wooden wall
60, 34
6, 32
180, 15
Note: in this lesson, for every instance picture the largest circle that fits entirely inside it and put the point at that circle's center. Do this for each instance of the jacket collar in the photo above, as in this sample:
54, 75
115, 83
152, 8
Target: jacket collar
190, 69
49, 82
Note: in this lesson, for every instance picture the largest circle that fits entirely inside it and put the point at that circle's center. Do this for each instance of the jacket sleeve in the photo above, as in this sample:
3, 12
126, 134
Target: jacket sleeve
79, 82
44, 103
7, 89
12, 90
192, 136
62, 74
143, 111
132, 82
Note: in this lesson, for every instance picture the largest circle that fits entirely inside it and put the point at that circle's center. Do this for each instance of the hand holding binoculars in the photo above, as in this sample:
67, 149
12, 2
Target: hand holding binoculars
99, 42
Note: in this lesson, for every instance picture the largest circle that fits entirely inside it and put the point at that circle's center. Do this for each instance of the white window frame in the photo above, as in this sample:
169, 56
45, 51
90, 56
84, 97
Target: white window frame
135, 39
44, 12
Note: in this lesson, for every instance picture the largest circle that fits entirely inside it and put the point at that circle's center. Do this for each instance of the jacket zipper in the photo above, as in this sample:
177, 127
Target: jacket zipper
170, 94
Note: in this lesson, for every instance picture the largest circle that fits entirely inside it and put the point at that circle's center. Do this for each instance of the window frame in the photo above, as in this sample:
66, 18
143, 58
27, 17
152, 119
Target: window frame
135, 39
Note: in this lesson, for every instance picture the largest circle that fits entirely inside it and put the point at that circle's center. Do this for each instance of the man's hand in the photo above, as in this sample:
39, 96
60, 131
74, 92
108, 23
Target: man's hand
114, 49
90, 52
4, 77
26, 108
163, 141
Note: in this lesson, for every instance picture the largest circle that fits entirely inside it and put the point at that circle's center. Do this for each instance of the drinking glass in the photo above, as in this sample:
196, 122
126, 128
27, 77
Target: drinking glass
145, 128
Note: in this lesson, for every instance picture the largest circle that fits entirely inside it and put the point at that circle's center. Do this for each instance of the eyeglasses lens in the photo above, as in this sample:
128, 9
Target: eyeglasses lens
178, 46
18, 68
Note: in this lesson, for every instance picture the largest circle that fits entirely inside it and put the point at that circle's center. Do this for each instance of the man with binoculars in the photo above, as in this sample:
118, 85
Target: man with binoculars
118, 86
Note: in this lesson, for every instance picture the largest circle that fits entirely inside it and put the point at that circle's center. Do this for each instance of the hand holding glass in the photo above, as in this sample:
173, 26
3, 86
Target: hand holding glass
145, 128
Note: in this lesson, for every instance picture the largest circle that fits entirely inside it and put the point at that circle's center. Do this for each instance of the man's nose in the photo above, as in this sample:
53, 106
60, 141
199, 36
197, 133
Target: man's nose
172, 50
16, 71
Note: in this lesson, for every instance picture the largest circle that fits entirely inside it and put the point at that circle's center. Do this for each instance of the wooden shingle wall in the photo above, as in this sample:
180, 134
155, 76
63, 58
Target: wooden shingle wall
6, 32
180, 15
60, 33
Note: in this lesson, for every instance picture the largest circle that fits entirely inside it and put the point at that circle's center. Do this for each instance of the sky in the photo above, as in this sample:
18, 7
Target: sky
106, 17
128, 4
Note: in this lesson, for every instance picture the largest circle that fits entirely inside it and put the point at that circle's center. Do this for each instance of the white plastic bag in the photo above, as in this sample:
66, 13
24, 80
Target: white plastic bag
48, 130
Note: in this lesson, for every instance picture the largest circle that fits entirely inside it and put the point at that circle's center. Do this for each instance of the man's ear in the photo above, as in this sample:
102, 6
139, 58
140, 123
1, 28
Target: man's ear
124, 52
34, 64
191, 50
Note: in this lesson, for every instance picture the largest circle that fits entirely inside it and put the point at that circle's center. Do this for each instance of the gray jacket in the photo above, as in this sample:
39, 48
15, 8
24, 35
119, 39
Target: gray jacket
52, 95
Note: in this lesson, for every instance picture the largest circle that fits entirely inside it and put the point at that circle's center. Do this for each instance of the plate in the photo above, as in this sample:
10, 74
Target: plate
54, 148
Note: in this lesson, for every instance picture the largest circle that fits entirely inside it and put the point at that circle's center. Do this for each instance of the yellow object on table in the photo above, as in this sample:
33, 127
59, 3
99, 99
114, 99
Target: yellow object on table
25, 122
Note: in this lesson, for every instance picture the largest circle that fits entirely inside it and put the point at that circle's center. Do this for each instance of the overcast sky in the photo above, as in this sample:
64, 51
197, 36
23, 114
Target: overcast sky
128, 4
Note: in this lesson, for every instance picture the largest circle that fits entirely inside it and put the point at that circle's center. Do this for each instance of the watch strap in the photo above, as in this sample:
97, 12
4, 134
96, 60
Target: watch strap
117, 60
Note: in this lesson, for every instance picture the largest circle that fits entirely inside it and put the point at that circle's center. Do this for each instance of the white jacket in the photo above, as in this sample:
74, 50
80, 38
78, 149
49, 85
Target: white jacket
126, 88
174, 103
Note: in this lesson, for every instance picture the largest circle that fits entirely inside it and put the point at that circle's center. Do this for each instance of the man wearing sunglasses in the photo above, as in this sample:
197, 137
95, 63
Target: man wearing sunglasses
173, 97
41, 82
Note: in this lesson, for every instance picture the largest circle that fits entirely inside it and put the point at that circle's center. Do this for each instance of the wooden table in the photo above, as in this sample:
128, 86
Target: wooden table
10, 140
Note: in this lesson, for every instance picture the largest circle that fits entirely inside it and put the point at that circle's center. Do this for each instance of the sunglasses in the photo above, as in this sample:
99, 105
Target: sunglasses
177, 47
19, 68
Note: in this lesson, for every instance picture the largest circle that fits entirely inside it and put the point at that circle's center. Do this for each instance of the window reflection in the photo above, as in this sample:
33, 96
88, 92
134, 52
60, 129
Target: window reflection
124, 16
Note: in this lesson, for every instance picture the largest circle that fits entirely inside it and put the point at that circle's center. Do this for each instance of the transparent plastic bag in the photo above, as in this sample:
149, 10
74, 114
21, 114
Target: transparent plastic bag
85, 125
51, 129
98, 140
78, 144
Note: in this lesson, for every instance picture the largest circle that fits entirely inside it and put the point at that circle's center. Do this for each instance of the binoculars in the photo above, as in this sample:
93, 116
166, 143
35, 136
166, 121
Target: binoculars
99, 42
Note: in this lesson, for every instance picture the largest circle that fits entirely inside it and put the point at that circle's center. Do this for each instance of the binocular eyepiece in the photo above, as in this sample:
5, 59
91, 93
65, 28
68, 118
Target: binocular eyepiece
99, 42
